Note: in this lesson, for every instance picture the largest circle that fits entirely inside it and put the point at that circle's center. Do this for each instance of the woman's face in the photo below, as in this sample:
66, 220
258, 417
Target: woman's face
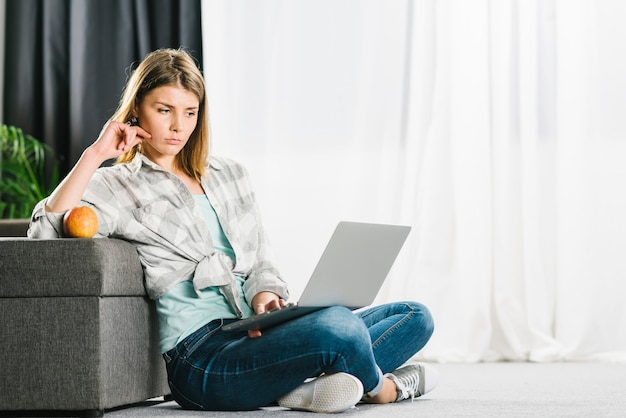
169, 114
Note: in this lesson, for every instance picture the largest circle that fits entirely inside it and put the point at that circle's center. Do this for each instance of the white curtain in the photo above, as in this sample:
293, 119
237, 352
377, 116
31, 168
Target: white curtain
496, 129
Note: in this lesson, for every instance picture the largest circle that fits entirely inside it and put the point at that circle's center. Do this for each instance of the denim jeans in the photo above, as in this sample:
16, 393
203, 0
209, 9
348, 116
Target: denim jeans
217, 370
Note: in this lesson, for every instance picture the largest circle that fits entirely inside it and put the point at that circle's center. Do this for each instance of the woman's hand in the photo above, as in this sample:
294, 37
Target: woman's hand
263, 302
116, 138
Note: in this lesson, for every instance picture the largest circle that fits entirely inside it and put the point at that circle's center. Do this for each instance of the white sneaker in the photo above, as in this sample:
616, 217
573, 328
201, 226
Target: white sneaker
414, 380
326, 394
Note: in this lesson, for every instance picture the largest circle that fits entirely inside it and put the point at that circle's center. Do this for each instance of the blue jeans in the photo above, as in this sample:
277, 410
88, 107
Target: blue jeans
218, 370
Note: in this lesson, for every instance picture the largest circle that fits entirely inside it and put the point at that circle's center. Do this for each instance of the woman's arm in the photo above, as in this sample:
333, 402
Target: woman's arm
115, 139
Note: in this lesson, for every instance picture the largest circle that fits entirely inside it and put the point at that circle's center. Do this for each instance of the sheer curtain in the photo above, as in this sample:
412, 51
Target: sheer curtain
494, 128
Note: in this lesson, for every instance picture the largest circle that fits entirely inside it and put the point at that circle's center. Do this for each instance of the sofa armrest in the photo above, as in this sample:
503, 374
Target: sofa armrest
14, 227
69, 267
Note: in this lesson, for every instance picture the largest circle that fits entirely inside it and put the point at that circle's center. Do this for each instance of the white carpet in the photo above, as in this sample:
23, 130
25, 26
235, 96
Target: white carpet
474, 390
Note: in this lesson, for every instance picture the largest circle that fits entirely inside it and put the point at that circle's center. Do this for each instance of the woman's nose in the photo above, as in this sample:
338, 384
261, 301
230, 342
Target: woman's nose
175, 124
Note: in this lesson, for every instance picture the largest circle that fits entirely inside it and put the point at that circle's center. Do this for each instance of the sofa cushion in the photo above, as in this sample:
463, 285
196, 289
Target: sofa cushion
69, 267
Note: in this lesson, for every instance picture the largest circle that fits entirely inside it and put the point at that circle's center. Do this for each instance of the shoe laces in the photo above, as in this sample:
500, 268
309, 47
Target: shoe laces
407, 386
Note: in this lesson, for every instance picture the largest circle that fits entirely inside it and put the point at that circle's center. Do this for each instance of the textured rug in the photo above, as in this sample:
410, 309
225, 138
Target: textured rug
472, 390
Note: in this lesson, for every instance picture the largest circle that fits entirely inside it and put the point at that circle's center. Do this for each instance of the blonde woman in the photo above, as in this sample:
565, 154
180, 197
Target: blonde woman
198, 233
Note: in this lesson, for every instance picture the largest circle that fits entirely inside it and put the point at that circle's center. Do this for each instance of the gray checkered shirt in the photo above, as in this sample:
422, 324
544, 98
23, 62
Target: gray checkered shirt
148, 206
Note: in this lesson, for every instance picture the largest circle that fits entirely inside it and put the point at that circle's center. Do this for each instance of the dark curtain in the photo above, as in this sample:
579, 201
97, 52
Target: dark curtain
66, 61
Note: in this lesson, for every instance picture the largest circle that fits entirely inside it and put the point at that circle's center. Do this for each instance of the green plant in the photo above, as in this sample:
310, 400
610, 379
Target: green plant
23, 172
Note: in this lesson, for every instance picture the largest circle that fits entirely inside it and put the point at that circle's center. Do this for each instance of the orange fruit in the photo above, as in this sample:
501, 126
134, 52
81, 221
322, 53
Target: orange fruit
80, 222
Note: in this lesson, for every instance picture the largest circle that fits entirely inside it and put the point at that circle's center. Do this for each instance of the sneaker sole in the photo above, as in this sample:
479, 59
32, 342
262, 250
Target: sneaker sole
327, 394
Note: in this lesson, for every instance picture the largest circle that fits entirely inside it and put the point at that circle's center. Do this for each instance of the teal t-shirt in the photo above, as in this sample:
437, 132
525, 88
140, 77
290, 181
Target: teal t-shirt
181, 311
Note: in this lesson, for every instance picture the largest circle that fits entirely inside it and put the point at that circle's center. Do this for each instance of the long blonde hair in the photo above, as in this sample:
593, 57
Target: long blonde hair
161, 68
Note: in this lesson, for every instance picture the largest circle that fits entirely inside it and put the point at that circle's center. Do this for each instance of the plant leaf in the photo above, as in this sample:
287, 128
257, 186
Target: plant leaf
22, 172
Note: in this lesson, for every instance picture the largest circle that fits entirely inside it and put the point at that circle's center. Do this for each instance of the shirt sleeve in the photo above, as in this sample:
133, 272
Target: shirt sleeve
98, 196
44, 224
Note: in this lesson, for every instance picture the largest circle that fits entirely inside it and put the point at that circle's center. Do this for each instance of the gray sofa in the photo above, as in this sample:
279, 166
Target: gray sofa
78, 333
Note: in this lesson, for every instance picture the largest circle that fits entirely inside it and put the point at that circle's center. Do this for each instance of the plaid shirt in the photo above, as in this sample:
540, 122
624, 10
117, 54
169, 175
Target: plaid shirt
148, 206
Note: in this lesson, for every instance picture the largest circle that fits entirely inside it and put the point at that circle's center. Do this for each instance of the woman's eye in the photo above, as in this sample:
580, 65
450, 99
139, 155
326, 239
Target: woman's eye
191, 114
164, 110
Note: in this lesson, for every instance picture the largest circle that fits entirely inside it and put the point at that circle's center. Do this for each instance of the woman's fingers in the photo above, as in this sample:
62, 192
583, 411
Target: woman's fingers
254, 333
129, 136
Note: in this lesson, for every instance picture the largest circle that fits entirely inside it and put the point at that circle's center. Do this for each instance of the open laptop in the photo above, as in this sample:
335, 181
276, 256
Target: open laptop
350, 273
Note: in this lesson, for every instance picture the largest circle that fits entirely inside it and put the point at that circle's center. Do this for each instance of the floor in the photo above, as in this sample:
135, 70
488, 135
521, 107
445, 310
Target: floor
475, 390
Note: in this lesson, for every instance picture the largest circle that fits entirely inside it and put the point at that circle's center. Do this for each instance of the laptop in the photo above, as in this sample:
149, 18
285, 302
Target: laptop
350, 273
